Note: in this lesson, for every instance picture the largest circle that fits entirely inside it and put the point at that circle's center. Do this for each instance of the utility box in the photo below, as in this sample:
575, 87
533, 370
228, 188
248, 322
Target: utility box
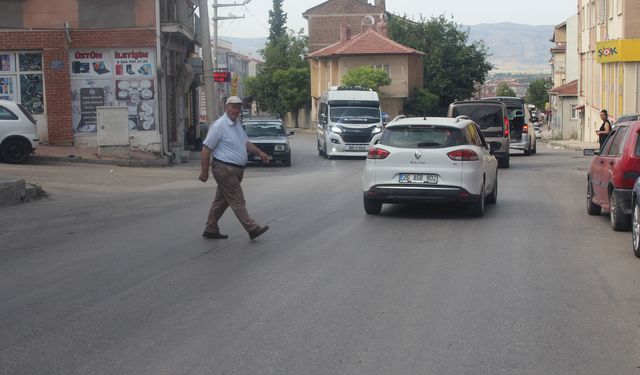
113, 132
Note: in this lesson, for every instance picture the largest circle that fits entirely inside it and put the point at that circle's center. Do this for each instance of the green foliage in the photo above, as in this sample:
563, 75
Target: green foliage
538, 93
504, 90
452, 65
277, 22
421, 103
282, 84
366, 76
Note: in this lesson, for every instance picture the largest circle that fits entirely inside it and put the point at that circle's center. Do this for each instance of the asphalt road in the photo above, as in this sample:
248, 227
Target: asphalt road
110, 276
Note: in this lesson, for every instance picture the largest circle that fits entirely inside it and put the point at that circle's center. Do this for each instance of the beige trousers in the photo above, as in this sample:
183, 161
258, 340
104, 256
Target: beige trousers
229, 194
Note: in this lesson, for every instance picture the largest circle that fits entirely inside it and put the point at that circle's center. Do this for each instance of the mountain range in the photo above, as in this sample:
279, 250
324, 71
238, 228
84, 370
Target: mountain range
514, 48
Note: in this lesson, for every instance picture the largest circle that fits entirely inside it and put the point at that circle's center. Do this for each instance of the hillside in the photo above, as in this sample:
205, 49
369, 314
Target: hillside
514, 47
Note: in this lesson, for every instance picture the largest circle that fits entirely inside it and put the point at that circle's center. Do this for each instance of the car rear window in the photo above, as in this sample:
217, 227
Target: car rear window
488, 117
263, 129
421, 136
27, 113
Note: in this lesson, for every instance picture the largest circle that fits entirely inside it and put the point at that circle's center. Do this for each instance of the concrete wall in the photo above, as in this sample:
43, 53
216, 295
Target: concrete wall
572, 57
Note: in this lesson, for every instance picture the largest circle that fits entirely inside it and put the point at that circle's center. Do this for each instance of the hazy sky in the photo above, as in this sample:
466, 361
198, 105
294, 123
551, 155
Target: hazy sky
468, 12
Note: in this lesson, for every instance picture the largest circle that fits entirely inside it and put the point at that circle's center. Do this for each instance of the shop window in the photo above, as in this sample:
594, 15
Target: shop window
21, 79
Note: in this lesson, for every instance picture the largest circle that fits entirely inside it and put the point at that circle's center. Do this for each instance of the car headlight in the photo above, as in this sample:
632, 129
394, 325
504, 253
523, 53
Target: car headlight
280, 148
376, 130
336, 130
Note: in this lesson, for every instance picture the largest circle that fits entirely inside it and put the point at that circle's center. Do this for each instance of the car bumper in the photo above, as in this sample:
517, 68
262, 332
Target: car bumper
275, 156
623, 197
519, 146
413, 193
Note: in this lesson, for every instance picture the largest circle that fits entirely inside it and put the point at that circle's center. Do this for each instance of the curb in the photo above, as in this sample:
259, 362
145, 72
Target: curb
157, 163
566, 146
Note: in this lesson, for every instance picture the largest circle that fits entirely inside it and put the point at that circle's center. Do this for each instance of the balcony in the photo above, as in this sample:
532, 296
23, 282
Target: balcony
178, 17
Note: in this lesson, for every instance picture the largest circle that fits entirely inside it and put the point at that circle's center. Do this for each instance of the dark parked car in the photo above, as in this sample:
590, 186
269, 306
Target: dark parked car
613, 173
492, 118
635, 218
270, 136
626, 118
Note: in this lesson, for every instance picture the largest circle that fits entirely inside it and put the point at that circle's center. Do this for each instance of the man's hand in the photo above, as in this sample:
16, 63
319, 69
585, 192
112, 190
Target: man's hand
204, 176
265, 158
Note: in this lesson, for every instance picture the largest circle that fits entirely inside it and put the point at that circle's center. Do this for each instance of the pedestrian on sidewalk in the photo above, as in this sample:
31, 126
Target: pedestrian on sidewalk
229, 145
605, 128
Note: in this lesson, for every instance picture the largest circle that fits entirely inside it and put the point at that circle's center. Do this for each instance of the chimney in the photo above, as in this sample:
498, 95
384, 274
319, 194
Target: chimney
380, 4
345, 33
381, 26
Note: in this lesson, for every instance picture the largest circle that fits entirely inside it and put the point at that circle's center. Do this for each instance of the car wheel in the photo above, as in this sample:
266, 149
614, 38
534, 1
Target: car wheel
527, 152
15, 151
504, 162
592, 208
372, 207
493, 197
635, 227
535, 149
477, 208
619, 221
321, 151
287, 162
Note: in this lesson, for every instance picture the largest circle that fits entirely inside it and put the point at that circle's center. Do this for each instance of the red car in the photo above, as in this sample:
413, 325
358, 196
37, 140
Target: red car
613, 172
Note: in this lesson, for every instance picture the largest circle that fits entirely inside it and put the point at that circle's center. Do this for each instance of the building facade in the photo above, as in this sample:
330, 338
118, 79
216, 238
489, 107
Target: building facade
326, 19
65, 58
563, 97
403, 65
609, 48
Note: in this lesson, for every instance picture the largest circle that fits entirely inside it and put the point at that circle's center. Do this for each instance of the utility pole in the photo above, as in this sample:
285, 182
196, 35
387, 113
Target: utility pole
215, 30
207, 65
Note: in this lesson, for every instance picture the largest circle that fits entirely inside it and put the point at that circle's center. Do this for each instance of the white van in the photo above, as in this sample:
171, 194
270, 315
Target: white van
348, 120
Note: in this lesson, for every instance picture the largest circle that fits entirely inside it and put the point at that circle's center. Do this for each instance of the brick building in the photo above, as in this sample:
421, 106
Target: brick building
325, 20
64, 58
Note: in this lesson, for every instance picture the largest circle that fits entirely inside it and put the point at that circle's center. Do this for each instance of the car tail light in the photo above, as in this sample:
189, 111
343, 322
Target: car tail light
525, 128
463, 155
506, 126
377, 153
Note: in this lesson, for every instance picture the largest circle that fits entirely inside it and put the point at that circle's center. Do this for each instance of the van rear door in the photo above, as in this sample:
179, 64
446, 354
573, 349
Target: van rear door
488, 116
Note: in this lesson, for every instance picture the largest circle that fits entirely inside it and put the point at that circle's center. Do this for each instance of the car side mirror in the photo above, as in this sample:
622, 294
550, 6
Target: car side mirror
290, 133
590, 152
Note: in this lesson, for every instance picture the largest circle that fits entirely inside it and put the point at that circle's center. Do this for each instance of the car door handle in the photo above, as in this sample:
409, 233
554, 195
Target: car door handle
601, 161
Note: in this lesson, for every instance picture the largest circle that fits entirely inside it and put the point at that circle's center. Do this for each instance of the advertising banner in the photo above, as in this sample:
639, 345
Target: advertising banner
91, 63
86, 95
134, 63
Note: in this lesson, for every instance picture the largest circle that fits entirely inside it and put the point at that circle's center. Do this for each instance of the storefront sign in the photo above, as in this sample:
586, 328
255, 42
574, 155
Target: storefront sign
127, 79
618, 51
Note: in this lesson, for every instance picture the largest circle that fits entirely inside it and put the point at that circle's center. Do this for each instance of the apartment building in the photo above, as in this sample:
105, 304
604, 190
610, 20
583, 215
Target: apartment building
609, 50
563, 97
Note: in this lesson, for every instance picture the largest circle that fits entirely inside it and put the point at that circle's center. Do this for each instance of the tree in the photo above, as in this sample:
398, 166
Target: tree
421, 103
452, 64
538, 93
367, 77
282, 84
504, 90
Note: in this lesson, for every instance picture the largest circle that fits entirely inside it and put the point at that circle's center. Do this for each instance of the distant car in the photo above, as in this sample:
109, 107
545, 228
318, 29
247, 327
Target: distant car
635, 218
626, 118
430, 160
521, 131
18, 132
270, 136
613, 173
493, 121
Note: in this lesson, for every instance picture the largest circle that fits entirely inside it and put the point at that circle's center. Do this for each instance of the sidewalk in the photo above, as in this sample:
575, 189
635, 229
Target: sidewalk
572, 144
89, 155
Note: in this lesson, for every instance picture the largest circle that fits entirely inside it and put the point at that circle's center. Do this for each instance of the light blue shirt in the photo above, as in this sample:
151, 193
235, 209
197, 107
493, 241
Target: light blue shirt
227, 141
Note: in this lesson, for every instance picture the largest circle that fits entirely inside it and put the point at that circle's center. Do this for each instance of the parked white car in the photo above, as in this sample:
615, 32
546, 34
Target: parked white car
18, 135
431, 160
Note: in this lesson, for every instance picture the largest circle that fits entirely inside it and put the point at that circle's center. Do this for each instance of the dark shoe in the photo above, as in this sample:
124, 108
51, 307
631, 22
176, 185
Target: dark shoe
214, 236
259, 232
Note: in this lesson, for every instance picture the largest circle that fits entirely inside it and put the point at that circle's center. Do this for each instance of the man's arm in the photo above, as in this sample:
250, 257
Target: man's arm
205, 157
253, 149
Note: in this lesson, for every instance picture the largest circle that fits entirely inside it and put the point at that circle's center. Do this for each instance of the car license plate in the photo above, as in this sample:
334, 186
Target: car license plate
418, 178
358, 147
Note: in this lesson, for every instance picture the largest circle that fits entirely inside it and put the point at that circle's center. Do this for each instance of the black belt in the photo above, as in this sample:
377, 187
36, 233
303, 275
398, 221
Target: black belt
230, 164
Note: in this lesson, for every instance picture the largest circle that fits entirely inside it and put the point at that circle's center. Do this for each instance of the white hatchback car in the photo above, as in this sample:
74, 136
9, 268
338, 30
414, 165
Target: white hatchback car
18, 134
431, 160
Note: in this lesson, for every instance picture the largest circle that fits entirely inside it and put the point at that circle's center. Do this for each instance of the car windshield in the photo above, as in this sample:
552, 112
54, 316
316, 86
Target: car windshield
355, 115
263, 129
421, 136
